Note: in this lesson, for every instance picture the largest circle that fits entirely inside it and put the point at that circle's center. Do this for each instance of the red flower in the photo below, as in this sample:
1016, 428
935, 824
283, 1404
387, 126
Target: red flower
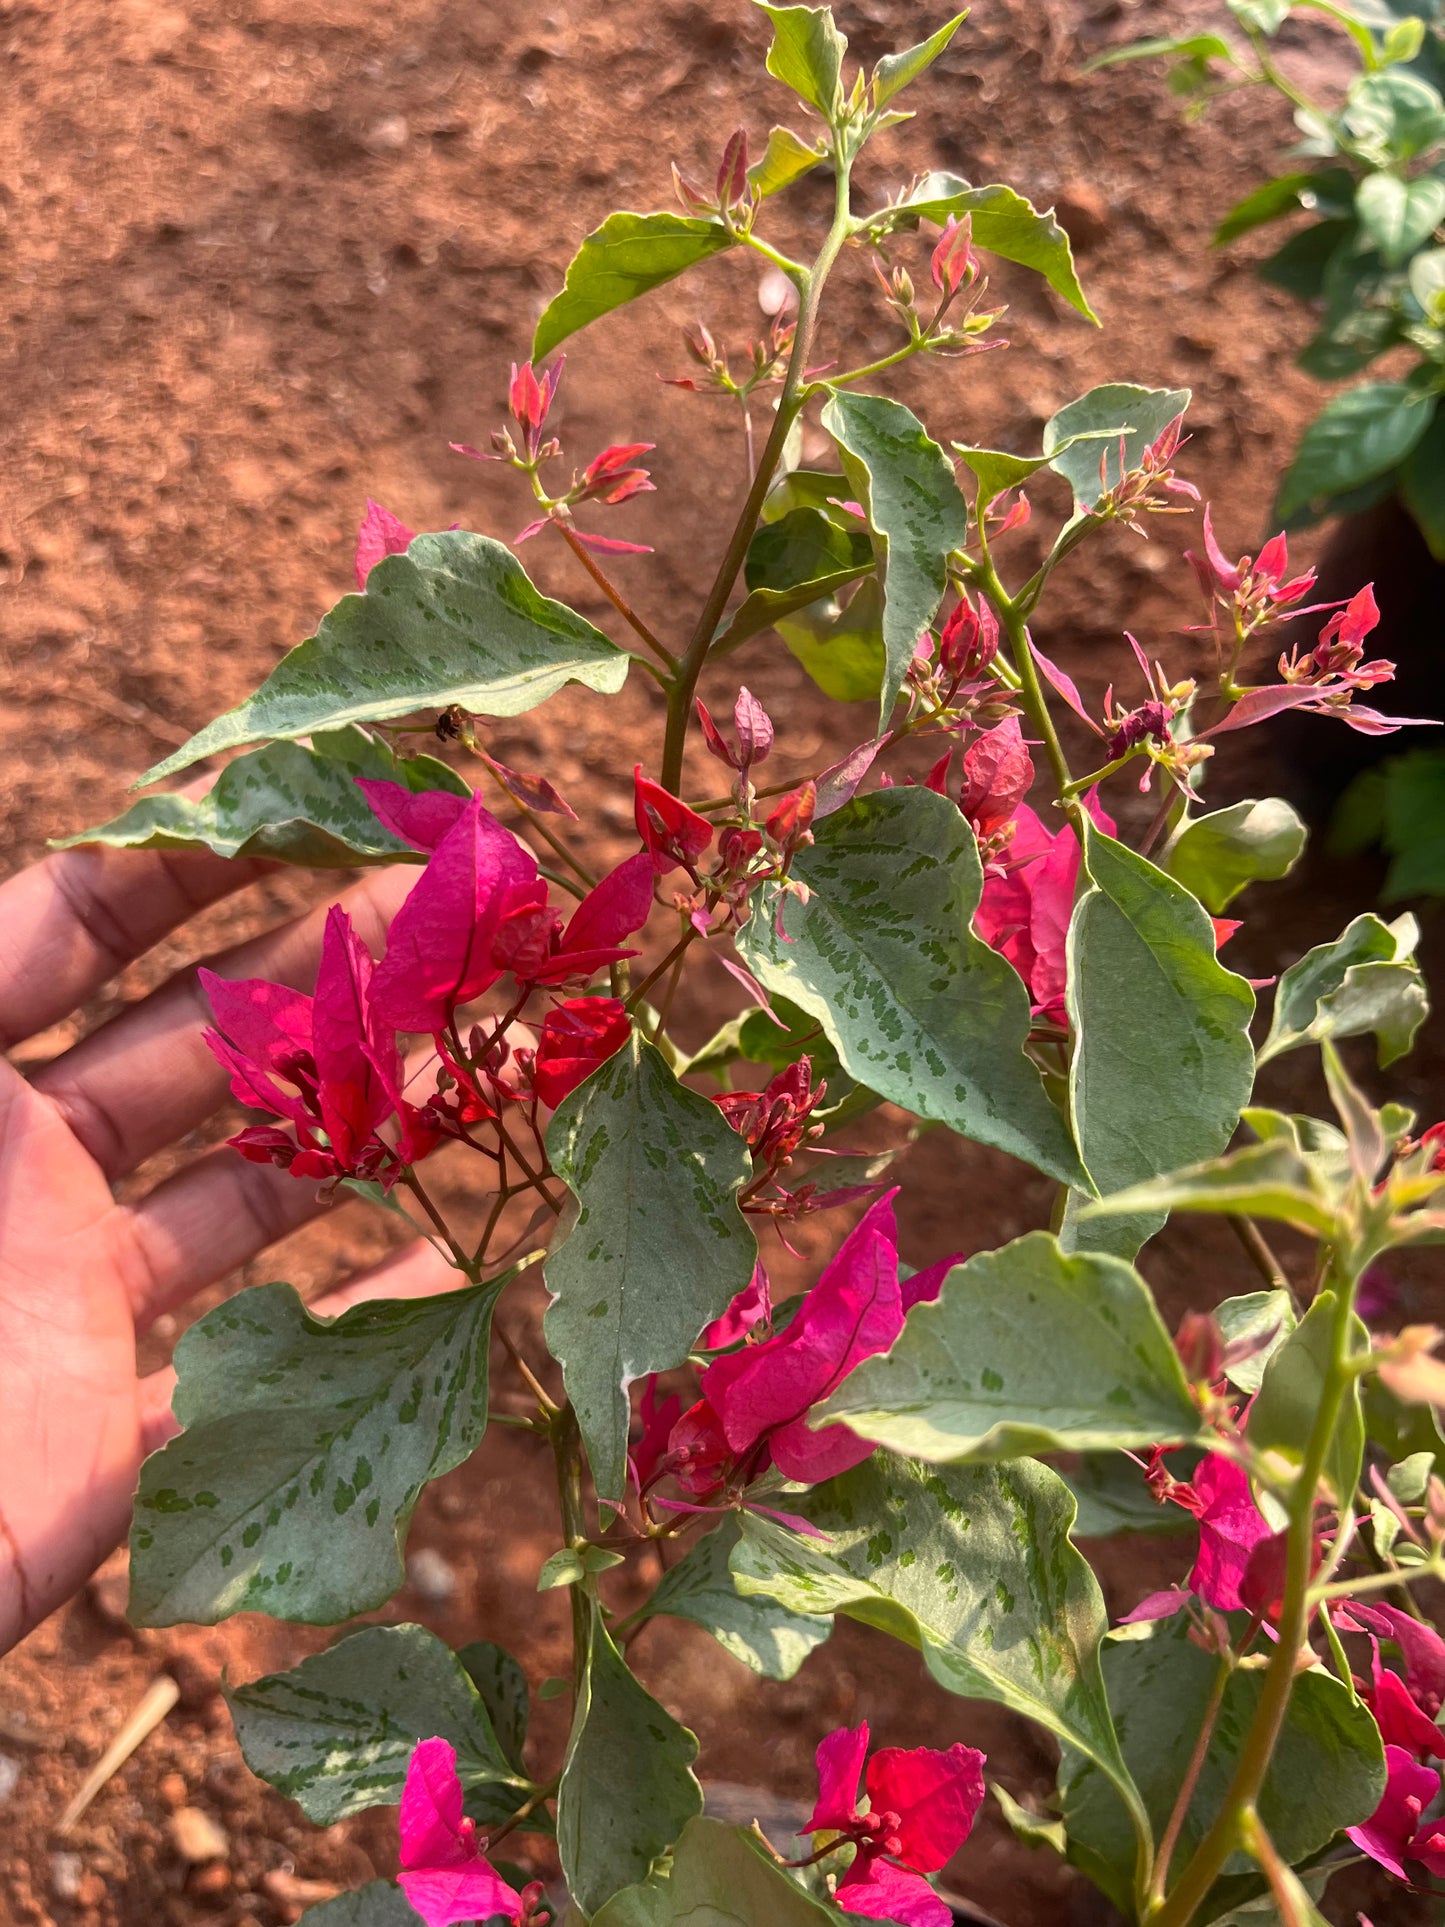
952, 261
671, 833
611, 477
579, 1034
921, 1808
1392, 1834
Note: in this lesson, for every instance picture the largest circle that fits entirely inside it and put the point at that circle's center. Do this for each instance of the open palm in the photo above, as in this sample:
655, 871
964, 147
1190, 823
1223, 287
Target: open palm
82, 1275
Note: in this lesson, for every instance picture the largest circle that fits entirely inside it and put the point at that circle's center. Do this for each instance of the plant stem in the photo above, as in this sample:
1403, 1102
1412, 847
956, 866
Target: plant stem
567, 1451
1179, 1908
616, 598
1030, 689
684, 685
1260, 1255
528, 1807
1190, 1781
459, 1258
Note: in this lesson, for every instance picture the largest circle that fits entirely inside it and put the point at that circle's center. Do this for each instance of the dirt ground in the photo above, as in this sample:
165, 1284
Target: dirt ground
262, 258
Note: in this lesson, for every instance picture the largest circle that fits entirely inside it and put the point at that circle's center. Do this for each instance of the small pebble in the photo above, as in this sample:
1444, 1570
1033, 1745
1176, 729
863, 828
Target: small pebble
196, 1837
66, 1872
9, 1776
173, 1790
431, 1576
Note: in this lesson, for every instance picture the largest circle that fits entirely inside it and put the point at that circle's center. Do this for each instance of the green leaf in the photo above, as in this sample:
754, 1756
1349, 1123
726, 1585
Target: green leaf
307, 1442
1112, 1497
1402, 42
1413, 813
807, 55
1033, 1829
762, 1041
721, 1877
1136, 415
1400, 216
1261, 1181
336, 1733
290, 803
883, 954
1393, 116
1261, 16
1301, 267
503, 1687
894, 72
908, 485
1358, 435
1427, 282
769, 608
454, 620
1215, 856
785, 159
967, 1378
1163, 1062
1366, 980
1422, 483
628, 1787
1265, 203
996, 472
628, 256
841, 645
1256, 1315
799, 547
970, 1564
1004, 223
1327, 1771
1193, 47
1283, 1414
378, 1904
762, 1634
654, 1246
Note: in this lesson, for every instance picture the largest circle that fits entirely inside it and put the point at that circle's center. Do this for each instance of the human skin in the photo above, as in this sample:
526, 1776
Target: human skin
83, 1275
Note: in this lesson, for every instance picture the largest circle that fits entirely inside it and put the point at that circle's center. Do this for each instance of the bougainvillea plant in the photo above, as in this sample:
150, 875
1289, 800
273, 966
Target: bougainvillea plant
942, 919
1369, 175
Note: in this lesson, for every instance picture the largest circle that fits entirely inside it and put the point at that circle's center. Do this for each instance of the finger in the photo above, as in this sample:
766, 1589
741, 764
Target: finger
416, 1271
71, 921
208, 1219
147, 1077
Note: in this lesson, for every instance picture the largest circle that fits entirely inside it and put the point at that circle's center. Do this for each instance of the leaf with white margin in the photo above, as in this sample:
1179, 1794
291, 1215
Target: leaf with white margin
967, 1378
883, 954
455, 620
653, 1247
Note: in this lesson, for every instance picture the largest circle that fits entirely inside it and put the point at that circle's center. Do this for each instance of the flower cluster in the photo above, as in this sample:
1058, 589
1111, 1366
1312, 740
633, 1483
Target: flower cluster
611, 477
753, 1412
330, 1066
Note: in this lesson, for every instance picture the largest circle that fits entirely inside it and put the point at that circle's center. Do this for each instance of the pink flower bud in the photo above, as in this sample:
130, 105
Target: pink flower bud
732, 173
953, 261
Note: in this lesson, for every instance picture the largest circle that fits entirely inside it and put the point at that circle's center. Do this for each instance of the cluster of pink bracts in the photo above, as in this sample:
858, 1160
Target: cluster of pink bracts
920, 1806
331, 1065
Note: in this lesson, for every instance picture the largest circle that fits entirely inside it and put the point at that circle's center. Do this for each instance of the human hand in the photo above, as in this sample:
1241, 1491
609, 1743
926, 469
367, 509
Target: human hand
82, 1275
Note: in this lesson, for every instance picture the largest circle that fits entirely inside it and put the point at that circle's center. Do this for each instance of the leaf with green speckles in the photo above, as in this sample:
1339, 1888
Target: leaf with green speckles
762, 1634
883, 954
336, 1733
721, 1877
915, 508
653, 1246
968, 1377
306, 1443
503, 1687
378, 1904
628, 1787
1366, 980
454, 620
1163, 1065
973, 1565
1328, 1769
289, 802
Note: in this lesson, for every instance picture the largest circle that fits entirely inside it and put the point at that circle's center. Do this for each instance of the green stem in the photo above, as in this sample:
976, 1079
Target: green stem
1227, 1833
1190, 1781
567, 1451
1030, 689
684, 685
